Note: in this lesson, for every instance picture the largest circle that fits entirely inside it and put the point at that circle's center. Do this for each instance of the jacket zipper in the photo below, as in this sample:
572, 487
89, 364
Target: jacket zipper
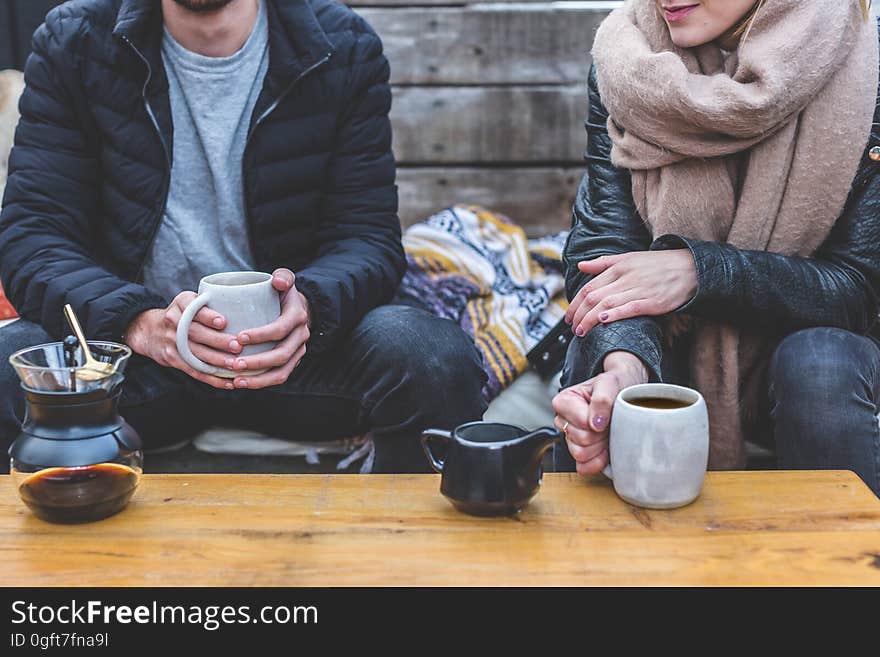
167, 183
260, 119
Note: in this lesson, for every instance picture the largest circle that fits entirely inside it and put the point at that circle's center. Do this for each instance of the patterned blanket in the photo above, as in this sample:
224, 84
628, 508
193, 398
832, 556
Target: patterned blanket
477, 268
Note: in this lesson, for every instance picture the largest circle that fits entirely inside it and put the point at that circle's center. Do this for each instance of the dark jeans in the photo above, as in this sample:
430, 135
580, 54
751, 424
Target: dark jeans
400, 371
822, 395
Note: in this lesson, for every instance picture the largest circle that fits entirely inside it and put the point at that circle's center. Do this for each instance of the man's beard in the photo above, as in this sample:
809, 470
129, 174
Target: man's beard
202, 6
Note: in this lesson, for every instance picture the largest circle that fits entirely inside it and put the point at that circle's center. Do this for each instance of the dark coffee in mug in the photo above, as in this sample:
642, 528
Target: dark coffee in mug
79, 494
660, 403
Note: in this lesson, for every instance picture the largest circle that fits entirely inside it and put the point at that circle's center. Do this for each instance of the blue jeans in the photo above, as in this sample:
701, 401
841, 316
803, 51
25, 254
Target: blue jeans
821, 402
399, 371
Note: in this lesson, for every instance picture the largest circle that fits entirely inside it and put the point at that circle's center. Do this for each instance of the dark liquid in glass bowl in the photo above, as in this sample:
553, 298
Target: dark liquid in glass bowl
80, 494
660, 403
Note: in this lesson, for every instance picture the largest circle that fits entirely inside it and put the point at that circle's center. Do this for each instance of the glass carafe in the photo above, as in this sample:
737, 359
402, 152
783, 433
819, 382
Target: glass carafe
76, 459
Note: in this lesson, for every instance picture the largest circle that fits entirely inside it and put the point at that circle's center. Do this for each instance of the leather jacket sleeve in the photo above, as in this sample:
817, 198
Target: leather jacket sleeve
838, 286
604, 222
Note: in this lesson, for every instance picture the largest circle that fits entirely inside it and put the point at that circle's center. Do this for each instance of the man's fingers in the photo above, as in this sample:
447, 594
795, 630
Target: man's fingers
213, 381
214, 339
274, 332
278, 356
274, 377
298, 356
206, 316
283, 279
291, 317
178, 363
209, 317
183, 299
212, 356
172, 316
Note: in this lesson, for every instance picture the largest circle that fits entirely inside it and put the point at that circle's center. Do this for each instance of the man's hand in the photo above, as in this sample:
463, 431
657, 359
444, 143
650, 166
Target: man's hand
583, 411
153, 334
630, 285
290, 331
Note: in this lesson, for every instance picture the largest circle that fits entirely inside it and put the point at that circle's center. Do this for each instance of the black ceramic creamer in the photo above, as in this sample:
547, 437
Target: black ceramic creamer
488, 468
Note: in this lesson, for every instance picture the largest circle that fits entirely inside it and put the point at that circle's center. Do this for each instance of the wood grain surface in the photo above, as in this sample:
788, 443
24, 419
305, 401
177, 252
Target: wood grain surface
488, 45
538, 198
752, 528
500, 125
360, 5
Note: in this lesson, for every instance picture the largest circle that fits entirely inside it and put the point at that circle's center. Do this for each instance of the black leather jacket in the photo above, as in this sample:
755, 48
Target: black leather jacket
838, 286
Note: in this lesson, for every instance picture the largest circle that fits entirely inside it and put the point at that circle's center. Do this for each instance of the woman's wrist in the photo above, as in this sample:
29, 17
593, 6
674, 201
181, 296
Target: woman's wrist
629, 368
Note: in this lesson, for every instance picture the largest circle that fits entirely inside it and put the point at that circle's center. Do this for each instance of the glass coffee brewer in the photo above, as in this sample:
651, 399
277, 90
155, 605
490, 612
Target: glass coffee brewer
76, 459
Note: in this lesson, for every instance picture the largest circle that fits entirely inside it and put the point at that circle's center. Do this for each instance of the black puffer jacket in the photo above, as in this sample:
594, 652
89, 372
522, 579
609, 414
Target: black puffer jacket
776, 294
90, 168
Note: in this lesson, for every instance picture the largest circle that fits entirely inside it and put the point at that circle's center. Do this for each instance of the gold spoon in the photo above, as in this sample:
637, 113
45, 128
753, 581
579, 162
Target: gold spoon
93, 369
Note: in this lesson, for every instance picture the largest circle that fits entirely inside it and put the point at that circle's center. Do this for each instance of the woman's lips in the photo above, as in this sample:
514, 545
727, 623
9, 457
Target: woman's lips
676, 13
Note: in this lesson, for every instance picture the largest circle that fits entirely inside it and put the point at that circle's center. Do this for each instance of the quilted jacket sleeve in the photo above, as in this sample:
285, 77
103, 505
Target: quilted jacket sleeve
606, 222
360, 259
51, 200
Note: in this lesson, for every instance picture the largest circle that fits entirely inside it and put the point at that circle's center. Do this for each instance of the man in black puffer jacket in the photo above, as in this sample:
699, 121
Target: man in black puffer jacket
164, 140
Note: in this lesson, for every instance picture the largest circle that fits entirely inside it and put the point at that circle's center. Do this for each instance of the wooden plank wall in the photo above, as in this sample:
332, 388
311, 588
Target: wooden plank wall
8, 36
489, 98
489, 103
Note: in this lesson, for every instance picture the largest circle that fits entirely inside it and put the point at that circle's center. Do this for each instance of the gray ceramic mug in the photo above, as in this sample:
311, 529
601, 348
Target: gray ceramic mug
246, 299
658, 455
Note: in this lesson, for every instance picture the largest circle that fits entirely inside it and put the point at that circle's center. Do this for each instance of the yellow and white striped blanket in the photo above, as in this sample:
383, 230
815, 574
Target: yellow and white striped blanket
478, 268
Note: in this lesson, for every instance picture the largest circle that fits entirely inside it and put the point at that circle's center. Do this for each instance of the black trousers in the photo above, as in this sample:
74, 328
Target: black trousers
400, 371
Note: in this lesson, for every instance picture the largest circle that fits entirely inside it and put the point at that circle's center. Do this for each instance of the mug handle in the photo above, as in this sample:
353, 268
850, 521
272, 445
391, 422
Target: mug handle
427, 436
183, 325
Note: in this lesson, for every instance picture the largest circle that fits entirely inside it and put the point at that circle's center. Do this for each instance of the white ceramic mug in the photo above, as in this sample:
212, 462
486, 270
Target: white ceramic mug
658, 456
246, 299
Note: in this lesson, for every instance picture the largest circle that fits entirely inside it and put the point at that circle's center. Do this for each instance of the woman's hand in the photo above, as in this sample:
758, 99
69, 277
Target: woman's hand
290, 331
583, 411
630, 285
153, 334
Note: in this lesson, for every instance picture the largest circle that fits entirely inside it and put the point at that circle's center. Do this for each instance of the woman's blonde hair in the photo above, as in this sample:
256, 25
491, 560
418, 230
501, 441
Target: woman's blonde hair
746, 22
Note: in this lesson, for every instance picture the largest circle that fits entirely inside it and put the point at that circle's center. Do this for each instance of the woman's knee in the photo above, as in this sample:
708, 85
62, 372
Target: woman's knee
823, 394
818, 367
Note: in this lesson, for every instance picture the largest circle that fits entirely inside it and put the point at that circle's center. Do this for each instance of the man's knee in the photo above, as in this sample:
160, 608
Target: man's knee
423, 348
19, 335
15, 336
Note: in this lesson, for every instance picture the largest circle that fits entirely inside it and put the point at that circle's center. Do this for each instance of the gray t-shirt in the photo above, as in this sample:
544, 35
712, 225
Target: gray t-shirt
204, 229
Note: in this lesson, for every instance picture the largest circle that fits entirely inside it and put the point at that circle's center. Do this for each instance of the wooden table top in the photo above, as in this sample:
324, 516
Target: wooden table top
747, 528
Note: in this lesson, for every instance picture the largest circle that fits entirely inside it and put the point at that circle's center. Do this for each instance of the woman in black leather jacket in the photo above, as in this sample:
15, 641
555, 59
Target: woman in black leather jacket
821, 385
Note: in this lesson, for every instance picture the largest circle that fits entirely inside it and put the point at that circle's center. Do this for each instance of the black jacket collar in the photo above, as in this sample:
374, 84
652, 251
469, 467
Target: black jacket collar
296, 38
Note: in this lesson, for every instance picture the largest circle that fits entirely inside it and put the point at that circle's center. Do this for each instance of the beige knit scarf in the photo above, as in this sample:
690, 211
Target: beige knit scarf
757, 148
